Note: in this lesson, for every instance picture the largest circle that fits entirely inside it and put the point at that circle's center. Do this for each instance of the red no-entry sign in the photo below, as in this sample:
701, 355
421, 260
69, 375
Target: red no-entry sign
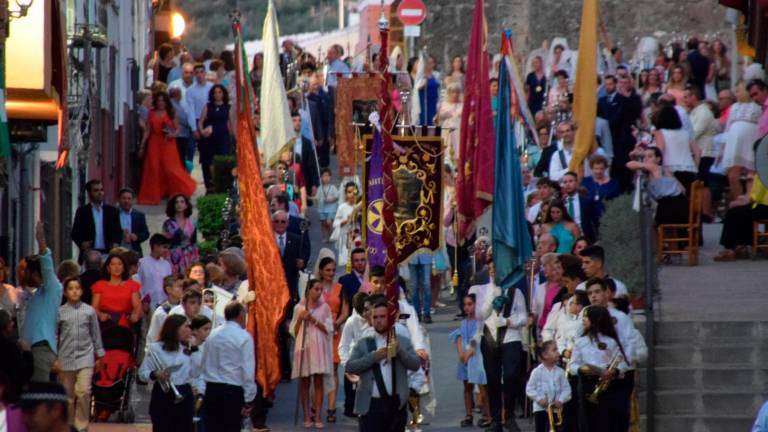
412, 12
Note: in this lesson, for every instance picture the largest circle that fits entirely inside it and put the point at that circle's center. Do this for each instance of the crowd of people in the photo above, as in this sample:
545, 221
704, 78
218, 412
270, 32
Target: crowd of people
563, 344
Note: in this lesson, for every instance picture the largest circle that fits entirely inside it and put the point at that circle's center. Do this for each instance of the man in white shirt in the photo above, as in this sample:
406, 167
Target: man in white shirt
353, 331
383, 387
187, 79
558, 165
229, 369
546, 189
593, 264
501, 345
197, 95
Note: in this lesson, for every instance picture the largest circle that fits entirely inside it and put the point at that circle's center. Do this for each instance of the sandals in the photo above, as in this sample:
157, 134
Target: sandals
330, 418
467, 422
308, 424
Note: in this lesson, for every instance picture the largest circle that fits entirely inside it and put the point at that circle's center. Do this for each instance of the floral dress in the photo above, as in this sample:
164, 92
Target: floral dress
184, 251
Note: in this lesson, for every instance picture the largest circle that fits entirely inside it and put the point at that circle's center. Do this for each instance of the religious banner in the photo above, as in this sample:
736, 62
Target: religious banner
361, 91
417, 174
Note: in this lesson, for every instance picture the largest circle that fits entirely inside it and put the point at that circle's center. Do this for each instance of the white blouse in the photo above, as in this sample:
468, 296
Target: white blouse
548, 384
587, 352
186, 372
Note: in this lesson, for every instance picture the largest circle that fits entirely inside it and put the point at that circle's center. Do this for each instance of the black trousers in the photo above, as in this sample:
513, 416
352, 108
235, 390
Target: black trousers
223, 403
168, 416
737, 226
383, 416
261, 407
610, 414
463, 265
349, 397
571, 408
541, 421
502, 363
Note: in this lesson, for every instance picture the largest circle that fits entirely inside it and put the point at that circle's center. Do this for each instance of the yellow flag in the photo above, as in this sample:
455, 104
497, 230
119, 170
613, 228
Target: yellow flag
276, 126
585, 93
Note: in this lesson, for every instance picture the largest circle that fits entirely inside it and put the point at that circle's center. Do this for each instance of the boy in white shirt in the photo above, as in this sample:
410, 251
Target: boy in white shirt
174, 289
547, 386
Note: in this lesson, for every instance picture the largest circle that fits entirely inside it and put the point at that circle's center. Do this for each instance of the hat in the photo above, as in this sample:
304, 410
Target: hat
40, 392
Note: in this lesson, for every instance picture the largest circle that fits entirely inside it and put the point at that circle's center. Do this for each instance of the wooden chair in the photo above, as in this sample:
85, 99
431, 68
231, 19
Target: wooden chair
670, 240
759, 239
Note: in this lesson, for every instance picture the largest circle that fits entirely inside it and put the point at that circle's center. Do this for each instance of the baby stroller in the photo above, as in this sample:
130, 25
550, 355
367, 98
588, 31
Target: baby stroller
112, 381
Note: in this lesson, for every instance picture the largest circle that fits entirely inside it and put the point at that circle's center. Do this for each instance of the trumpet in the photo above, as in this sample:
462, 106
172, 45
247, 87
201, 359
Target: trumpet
555, 417
603, 383
166, 386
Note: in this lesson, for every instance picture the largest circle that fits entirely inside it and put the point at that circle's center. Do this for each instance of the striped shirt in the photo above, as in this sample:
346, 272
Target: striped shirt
79, 336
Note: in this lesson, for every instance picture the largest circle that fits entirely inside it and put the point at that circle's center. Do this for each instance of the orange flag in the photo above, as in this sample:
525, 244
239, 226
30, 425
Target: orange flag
265, 274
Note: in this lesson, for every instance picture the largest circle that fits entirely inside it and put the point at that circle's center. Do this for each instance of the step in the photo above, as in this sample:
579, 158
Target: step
707, 378
703, 332
731, 354
707, 423
717, 402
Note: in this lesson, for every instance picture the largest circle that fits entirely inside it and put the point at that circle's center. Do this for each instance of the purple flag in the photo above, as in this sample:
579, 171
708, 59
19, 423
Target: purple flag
374, 203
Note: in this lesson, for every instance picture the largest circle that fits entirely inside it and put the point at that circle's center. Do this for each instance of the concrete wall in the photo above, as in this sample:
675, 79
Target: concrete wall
446, 30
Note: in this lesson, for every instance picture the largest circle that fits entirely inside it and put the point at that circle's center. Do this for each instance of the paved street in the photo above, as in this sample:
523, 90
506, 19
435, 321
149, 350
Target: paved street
709, 291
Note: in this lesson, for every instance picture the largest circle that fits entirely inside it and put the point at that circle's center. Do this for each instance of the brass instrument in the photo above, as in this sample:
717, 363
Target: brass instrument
555, 417
603, 383
166, 386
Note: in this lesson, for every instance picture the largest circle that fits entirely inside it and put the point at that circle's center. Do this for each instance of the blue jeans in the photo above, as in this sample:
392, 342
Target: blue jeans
421, 275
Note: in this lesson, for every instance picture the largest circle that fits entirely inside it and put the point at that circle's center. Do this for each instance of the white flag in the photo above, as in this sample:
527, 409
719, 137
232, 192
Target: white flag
276, 126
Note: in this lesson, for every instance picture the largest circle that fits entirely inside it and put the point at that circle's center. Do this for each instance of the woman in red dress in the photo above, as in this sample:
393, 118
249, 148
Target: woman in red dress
163, 173
116, 297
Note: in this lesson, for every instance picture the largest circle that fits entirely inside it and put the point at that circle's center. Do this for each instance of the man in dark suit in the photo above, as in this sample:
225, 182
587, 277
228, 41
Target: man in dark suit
96, 225
699, 64
580, 207
350, 282
317, 101
288, 245
132, 222
612, 107
280, 202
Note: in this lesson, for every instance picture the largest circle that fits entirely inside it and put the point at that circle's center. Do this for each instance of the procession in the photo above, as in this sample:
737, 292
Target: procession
307, 234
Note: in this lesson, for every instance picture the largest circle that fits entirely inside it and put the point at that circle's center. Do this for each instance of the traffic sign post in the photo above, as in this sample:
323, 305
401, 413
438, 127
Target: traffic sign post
412, 12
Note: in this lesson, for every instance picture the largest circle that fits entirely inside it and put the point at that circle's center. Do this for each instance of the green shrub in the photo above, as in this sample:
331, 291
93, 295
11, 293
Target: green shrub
620, 235
207, 247
222, 172
209, 221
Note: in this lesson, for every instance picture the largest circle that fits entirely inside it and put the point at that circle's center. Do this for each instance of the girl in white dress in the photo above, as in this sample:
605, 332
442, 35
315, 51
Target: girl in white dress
345, 224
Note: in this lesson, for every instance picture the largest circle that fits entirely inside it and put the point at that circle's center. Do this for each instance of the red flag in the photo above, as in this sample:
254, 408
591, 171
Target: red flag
474, 183
389, 233
265, 274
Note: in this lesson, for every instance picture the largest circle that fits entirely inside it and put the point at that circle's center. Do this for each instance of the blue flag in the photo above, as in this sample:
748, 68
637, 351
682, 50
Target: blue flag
511, 239
374, 203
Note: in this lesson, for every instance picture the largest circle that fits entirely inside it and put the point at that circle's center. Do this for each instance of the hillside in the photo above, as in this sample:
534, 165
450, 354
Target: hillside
208, 24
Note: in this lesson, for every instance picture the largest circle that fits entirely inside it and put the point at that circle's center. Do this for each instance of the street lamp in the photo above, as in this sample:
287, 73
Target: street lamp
23, 7
178, 25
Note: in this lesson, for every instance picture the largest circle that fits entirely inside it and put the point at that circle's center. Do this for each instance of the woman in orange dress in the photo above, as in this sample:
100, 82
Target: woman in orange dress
334, 298
116, 296
163, 173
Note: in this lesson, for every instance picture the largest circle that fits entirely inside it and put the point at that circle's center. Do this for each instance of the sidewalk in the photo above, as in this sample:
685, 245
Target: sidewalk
713, 291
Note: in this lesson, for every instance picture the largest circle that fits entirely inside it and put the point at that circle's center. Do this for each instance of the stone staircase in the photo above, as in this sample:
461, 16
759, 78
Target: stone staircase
710, 376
